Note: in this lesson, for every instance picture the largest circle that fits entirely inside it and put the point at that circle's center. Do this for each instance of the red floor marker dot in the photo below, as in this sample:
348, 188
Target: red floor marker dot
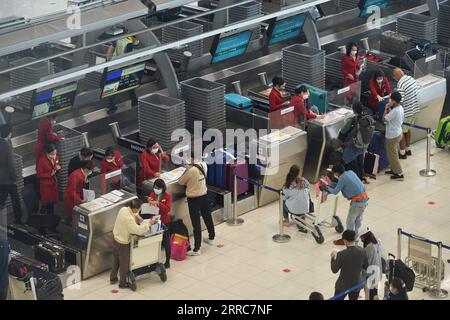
220, 246
114, 291
431, 202
286, 270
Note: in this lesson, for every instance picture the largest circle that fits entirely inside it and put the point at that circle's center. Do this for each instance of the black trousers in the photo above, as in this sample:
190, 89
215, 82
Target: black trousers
357, 166
49, 208
372, 293
351, 296
199, 207
166, 245
11, 189
131, 93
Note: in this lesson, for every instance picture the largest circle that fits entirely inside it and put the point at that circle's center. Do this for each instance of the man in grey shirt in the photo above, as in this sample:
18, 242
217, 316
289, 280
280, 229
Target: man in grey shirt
350, 262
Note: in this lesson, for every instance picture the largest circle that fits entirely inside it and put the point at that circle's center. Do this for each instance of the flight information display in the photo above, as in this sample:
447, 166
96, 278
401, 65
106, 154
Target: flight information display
122, 79
49, 101
230, 46
285, 29
367, 7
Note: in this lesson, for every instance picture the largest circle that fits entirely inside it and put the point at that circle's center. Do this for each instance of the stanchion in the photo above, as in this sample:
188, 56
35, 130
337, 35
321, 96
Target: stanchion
438, 292
399, 243
428, 172
235, 221
281, 237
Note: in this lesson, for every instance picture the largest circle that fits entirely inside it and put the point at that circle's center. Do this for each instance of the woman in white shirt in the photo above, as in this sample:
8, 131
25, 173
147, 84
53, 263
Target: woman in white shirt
296, 193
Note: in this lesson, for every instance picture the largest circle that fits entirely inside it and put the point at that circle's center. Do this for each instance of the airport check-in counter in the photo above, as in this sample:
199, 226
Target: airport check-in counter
321, 133
277, 152
93, 228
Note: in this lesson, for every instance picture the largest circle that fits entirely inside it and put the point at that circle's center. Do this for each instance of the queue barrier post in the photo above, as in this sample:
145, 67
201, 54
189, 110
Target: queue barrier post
428, 172
234, 220
281, 237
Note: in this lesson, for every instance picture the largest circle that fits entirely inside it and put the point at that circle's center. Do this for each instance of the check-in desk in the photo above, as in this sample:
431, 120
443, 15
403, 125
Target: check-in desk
94, 230
321, 133
431, 95
277, 152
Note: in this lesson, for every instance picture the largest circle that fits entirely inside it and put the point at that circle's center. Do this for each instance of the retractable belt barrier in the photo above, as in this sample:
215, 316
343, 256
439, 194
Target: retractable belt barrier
235, 221
427, 172
359, 286
437, 291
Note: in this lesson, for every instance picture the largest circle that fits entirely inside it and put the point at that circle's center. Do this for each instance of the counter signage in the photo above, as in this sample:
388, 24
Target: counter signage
112, 174
287, 110
285, 29
343, 90
431, 58
122, 79
230, 46
53, 100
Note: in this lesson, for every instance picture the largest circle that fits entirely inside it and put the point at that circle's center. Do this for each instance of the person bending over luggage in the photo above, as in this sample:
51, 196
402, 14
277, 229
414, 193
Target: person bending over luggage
353, 190
351, 264
374, 273
151, 160
112, 160
85, 154
128, 223
160, 198
296, 193
194, 178
397, 290
379, 88
299, 102
46, 169
73, 195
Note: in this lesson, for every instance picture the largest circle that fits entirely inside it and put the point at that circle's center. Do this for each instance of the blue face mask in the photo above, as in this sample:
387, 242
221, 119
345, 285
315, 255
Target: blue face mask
157, 191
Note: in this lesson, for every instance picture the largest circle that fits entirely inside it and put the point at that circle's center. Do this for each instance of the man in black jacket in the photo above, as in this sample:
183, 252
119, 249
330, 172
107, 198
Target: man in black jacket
351, 263
8, 178
75, 163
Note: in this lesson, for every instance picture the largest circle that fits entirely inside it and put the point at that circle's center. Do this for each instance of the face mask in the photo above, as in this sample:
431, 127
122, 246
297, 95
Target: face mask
52, 156
89, 173
53, 121
354, 53
157, 191
155, 150
110, 160
336, 176
306, 96
380, 81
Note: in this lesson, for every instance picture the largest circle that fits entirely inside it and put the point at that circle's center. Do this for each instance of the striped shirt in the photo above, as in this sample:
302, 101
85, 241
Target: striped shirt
408, 88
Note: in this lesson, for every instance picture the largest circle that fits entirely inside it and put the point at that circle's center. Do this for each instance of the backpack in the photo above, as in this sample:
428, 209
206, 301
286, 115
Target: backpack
398, 269
365, 127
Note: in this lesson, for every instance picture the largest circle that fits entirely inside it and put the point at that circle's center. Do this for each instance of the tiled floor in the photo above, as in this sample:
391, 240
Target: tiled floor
251, 266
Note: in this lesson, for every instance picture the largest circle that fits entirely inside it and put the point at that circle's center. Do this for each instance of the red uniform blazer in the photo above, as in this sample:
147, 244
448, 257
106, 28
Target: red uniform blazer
276, 100
150, 164
300, 108
74, 190
48, 183
108, 167
376, 90
45, 134
165, 205
349, 66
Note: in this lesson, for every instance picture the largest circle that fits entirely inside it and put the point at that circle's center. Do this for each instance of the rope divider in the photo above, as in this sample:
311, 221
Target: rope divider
410, 235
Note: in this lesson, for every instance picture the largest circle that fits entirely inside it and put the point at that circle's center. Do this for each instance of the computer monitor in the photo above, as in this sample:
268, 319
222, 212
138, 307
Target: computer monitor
285, 29
367, 7
230, 46
122, 79
53, 100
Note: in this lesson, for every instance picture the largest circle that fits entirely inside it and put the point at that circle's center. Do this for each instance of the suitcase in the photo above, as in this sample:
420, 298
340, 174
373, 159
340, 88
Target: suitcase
237, 101
442, 136
215, 174
51, 254
377, 146
240, 169
371, 163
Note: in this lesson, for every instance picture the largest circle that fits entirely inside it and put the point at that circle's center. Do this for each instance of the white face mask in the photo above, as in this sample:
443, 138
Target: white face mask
306, 96
155, 150
380, 81
336, 176
354, 53
52, 156
110, 160
157, 191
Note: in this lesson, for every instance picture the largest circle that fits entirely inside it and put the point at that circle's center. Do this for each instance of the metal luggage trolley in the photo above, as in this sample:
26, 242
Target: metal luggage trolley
145, 256
325, 215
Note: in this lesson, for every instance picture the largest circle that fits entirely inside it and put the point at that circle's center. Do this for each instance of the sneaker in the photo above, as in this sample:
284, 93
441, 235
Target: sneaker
193, 253
339, 242
403, 157
389, 172
124, 286
398, 177
167, 265
114, 281
209, 241
408, 153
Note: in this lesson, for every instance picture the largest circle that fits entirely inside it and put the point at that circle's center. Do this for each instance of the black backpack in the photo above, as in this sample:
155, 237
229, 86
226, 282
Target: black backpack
398, 269
365, 127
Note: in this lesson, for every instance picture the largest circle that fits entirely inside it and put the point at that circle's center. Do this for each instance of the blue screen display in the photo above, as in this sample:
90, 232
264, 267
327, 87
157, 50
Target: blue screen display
287, 29
115, 74
232, 46
366, 5
44, 96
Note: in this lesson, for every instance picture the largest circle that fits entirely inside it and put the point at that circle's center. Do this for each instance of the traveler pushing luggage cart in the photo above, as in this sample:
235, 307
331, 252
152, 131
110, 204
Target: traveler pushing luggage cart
145, 256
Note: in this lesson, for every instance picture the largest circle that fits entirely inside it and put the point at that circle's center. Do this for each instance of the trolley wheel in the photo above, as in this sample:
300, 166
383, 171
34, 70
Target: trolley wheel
339, 226
132, 281
162, 272
319, 238
133, 286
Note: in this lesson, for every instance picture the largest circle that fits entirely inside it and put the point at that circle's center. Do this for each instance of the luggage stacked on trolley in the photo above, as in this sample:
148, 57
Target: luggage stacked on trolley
145, 256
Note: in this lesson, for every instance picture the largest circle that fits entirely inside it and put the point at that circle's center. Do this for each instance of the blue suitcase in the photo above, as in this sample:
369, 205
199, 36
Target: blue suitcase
377, 146
237, 101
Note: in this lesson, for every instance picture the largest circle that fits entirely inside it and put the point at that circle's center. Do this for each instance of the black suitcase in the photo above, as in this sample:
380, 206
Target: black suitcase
52, 255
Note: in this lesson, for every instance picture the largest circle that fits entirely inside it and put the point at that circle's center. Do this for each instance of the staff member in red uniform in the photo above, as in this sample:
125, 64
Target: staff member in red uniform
47, 167
112, 161
350, 67
276, 100
160, 198
45, 135
73, 195
151, 160
379, 88
299, 103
